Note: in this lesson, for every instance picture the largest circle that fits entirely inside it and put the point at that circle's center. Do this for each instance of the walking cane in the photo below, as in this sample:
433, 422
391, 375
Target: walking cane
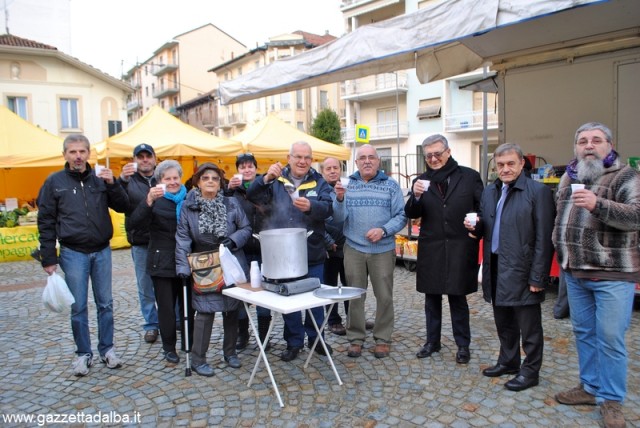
185, 330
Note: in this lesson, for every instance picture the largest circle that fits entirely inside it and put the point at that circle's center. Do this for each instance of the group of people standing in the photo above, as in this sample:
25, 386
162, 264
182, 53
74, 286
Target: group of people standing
594, 232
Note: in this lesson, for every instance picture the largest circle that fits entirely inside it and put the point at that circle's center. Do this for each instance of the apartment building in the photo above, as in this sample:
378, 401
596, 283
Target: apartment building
297, 108
401, 112
57, 92
177, 72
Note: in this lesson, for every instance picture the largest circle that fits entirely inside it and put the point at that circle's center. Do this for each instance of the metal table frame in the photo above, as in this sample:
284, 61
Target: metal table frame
283, 305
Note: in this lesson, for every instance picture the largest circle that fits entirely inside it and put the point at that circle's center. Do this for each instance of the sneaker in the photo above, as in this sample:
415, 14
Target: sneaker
611, 412
576, 396
111, 359
82, 364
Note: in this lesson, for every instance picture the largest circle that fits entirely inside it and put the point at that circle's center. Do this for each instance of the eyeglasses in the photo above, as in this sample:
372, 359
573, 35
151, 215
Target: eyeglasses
245, 156
596, 141
436, 155
210, 178
369, 158
299, 158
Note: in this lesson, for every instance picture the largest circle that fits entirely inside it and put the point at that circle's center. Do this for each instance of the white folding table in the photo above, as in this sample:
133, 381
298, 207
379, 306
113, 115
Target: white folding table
283, 305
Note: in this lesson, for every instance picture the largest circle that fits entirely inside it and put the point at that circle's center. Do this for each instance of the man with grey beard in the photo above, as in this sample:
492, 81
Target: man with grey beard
596, 238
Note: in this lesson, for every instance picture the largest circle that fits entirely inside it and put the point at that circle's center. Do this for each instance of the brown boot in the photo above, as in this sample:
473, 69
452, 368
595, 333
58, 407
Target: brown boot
612, 414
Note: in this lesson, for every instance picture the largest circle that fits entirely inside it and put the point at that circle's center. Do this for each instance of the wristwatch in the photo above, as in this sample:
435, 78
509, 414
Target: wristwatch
384, 232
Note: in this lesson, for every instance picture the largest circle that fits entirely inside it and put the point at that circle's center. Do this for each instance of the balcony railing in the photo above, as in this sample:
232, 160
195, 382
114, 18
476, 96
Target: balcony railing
469, 121
165, 91
371, 87
236, 119
164, 69
380, 131
133, 105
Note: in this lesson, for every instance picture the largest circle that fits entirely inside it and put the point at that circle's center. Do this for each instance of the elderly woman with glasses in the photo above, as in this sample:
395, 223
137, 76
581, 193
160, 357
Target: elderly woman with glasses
159, 213
207, 220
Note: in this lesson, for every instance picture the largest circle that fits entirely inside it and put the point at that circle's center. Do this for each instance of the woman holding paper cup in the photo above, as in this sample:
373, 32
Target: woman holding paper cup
159, 213
447, 256
210, 219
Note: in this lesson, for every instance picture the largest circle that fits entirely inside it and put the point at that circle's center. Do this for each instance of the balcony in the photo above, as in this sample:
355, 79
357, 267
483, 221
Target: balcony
470, 121
133, 106
377, 86
165, 91
164, 69
231, 120
386, 131
135, 84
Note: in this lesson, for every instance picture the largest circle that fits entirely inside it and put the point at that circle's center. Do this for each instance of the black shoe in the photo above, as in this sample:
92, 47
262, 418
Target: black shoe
320, 350
463, 355
520, 383
242, 342
499, 370
203, 370
428, 349
290, 354
233, 361
172, 357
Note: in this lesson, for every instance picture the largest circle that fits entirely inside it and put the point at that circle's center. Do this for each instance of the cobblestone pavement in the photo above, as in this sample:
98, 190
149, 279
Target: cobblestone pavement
36, 349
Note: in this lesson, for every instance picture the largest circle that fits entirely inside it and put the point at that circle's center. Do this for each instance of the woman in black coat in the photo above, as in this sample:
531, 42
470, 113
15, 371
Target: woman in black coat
158, 213
447, 255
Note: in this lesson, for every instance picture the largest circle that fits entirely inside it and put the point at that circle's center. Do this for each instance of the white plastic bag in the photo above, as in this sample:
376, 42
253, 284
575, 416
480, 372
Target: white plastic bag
231, 269
56, 295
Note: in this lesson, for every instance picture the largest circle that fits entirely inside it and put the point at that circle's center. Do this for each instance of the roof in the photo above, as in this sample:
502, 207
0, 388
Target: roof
11, 40
314, 39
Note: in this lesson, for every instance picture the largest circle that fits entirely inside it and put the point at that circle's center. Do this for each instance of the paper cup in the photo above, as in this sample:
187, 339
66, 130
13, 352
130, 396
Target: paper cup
238, 176
98, 169
295, 195
426, 184
576, 186
472, 218
162, 186
344, 181
135, 166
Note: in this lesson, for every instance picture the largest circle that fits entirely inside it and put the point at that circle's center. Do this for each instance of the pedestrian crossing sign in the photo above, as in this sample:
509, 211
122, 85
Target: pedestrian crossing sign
362, 134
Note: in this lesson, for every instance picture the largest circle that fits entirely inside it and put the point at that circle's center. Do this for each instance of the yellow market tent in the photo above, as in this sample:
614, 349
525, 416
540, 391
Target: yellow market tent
270, 140
170, 139
28, 155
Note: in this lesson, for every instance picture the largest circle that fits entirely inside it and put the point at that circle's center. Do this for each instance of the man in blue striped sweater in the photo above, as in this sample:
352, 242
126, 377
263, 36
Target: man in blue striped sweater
372, 208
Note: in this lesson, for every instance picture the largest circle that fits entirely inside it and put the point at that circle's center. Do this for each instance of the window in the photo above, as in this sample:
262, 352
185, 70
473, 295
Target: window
272, 102
239, 71
146, 91
285, 101
387, 123
257, 104
299, 100
385, 160
429, 108
69, 113
300, 126
18, 105
324, 100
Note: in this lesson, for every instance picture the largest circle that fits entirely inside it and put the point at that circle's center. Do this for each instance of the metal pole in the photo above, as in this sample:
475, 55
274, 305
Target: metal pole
398, 127
484, 166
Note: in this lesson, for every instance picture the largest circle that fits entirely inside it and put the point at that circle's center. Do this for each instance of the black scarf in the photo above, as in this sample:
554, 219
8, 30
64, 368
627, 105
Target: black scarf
440, 177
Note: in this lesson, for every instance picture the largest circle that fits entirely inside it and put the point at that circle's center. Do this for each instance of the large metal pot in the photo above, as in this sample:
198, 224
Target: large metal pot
284, 253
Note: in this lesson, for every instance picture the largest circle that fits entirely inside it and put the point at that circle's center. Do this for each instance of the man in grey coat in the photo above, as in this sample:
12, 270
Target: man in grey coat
516, 221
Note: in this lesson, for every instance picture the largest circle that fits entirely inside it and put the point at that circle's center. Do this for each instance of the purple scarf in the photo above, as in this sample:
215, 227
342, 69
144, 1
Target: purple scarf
572, 168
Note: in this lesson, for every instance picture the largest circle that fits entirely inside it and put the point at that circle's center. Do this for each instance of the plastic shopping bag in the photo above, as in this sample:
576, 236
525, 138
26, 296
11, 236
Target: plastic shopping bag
56, 295
231, 269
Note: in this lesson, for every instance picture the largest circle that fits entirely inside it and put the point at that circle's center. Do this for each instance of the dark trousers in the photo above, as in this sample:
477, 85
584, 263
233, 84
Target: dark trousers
459, 310
514, 323
169, 292
334, 268
294, 328
202, 335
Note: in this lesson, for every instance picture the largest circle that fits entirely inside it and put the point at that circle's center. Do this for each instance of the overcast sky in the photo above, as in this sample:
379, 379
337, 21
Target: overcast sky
113, 35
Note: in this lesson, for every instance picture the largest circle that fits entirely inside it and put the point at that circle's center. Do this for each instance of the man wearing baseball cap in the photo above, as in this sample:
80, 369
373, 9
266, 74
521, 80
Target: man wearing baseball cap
137, 177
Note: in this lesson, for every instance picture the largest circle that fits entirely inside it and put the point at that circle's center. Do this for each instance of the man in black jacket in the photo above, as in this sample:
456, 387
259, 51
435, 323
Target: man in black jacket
73, 208
137, 178
516, 220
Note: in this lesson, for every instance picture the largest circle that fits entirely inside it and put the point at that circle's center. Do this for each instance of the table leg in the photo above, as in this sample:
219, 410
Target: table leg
262, 354
322, 342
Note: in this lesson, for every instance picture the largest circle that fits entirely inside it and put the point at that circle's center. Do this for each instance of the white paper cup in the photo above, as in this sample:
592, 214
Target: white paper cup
238, 176
344, 181
472, 218
134, 165
426, 184
98, 169
576, 186
162, 186
295, 195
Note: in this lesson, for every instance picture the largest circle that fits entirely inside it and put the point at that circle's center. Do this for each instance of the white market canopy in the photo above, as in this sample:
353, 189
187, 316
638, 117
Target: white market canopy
443, 39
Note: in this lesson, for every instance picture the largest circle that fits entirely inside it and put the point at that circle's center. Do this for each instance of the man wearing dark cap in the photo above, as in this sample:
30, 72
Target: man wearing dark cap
137, 178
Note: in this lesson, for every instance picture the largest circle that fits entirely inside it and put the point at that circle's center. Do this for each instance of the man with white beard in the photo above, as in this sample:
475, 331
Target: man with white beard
596, 238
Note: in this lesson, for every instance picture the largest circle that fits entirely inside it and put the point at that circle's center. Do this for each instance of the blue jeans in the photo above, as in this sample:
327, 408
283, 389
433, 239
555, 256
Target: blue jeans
601, 314
145, 287
293, 328
78, 268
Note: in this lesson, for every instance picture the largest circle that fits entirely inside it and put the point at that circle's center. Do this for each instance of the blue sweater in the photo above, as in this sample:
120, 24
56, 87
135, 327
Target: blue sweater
366, 205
